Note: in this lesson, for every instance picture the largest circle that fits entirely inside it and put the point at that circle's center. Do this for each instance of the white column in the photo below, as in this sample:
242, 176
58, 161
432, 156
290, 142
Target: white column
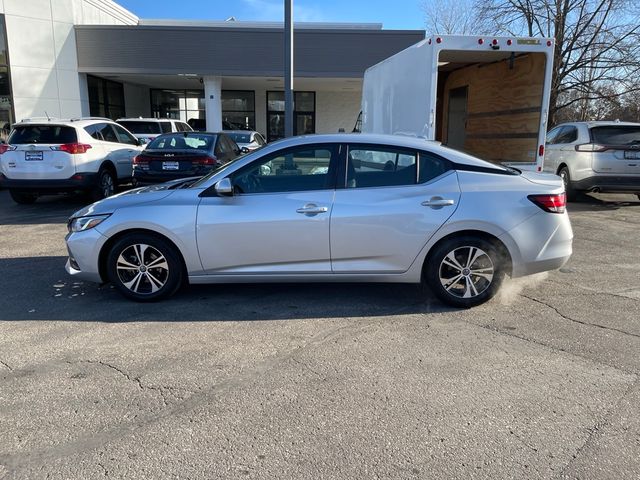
213, 103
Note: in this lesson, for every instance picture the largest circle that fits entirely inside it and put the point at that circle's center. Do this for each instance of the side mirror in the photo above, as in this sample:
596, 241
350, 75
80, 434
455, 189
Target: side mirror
224, 188
244, 150
143, 141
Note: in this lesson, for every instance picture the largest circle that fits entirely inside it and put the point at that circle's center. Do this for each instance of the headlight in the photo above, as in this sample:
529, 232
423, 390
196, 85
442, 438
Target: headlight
80, 224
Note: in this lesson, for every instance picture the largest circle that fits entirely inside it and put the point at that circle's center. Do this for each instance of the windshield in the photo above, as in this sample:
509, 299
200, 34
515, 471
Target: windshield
48, 134
141, 127
616, 135
240, 137
180, 141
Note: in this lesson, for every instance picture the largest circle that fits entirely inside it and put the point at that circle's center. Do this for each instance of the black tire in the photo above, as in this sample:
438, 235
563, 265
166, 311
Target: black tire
105, 185
568, 188
470, 289
23, 198
145, 283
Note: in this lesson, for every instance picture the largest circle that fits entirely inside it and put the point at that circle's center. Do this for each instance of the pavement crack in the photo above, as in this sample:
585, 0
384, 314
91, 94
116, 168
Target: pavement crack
105, 472
566, 317
6, 365
114, 368
598, 428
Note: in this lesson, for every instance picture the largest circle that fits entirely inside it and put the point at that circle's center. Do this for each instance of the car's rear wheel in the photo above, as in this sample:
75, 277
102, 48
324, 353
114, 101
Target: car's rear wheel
23, 198
144, 267
465, 271
105, 186
566, 180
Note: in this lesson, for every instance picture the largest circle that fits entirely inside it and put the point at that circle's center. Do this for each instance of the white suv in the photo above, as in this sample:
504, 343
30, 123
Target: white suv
599, 156
149, 128
47, 156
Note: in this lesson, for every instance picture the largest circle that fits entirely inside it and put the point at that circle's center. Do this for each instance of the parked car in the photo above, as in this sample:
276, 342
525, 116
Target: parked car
304, 209
179, 155
595, 157
47, 156
247, 139
149, 128
200, 125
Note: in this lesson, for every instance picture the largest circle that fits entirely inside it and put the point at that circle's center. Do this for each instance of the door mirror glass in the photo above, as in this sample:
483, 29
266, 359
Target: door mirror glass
143, 141
224, 188
244, 150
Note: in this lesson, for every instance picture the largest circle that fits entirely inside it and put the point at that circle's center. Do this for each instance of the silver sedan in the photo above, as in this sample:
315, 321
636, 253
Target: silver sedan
330, 208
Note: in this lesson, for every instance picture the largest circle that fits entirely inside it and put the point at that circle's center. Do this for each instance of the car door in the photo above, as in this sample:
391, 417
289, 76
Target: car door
394, 200
277, 221
129, 148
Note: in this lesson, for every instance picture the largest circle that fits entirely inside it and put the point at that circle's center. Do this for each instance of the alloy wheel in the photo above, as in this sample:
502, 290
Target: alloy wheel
466, 272
142, 268
106, 185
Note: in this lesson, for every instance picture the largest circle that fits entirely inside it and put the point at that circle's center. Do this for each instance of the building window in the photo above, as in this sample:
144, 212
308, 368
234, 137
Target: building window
304, 114
238, 110
7, 116
178, 104
106, 98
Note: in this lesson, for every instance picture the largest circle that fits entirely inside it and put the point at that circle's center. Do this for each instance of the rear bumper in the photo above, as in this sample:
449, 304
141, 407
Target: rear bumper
609, 184
79, 181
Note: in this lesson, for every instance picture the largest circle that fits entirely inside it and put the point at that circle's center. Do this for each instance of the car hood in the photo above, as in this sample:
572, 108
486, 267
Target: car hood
136, 196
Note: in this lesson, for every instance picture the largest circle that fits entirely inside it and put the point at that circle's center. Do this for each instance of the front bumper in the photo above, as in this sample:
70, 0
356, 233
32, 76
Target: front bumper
78, 181
84, 254
609, 184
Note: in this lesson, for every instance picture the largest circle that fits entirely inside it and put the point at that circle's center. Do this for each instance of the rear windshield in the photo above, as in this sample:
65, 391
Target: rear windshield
240, 137
141, 127
192, 141
616, 135
31, 134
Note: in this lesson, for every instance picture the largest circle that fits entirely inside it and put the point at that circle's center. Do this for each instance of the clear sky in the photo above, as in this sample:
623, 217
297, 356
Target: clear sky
393, 14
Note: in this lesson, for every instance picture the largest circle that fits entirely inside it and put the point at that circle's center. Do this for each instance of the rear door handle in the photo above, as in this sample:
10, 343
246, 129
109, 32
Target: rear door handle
312, 209
438, 202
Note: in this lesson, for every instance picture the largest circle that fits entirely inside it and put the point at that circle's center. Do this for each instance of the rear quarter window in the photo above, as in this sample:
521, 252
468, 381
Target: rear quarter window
42, 134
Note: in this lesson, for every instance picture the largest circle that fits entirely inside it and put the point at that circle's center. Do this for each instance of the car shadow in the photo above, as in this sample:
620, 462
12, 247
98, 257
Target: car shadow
38, 288
601, 202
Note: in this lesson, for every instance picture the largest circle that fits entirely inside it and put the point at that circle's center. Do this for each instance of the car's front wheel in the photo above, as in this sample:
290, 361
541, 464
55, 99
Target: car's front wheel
23, 198
144, 267
465, 271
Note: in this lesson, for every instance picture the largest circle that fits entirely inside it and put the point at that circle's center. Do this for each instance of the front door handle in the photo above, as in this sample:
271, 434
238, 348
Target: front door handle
312, 209
438, 202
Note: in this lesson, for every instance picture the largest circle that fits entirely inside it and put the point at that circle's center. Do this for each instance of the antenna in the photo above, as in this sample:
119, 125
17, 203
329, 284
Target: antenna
48, 118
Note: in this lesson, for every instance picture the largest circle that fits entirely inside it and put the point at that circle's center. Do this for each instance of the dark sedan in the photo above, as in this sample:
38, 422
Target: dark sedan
185, 154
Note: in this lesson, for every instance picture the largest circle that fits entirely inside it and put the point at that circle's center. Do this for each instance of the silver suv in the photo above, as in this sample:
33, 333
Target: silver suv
47, 156
595, 157
149, 128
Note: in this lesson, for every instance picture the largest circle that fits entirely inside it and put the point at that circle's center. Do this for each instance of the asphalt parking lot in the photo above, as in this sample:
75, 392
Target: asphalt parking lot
320, 381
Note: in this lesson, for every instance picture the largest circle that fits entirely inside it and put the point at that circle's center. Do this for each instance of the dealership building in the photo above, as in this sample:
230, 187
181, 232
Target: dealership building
74, 58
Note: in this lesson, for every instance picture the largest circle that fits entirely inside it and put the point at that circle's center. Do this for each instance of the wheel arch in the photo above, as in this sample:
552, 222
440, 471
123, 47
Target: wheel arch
561, 166
106, 248
494, 240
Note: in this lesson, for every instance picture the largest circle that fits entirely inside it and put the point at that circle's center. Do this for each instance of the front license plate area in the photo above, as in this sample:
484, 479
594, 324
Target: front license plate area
33, 156
170, 165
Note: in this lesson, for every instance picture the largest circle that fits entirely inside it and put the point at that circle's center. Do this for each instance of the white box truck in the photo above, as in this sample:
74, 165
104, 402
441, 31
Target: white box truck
487, 96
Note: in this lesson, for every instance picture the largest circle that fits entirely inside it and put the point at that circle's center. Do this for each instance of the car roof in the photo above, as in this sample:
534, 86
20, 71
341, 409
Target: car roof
405, 141
600, 123
69, 122
141, 119
240, 131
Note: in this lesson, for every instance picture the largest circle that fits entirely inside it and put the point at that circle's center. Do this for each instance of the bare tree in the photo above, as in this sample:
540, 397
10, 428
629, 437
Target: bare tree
597, 47
450, 17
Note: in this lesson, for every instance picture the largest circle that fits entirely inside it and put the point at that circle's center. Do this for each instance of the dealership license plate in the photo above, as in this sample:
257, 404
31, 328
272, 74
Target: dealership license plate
632, 154
33, 156
170, 165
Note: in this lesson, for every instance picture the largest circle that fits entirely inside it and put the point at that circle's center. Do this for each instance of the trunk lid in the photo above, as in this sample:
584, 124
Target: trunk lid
616, 149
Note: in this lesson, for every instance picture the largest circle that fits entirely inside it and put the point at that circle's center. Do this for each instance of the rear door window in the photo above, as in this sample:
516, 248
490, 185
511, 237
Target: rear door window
166, 127
615, 135
141, 127
376, 166
567, 135
124, 136
108, 134
42, 134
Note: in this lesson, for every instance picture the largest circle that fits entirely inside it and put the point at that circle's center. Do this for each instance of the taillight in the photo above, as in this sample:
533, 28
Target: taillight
556, 203
541, 151
72, 148
4, 147
140, 162
203, 161
591, 147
